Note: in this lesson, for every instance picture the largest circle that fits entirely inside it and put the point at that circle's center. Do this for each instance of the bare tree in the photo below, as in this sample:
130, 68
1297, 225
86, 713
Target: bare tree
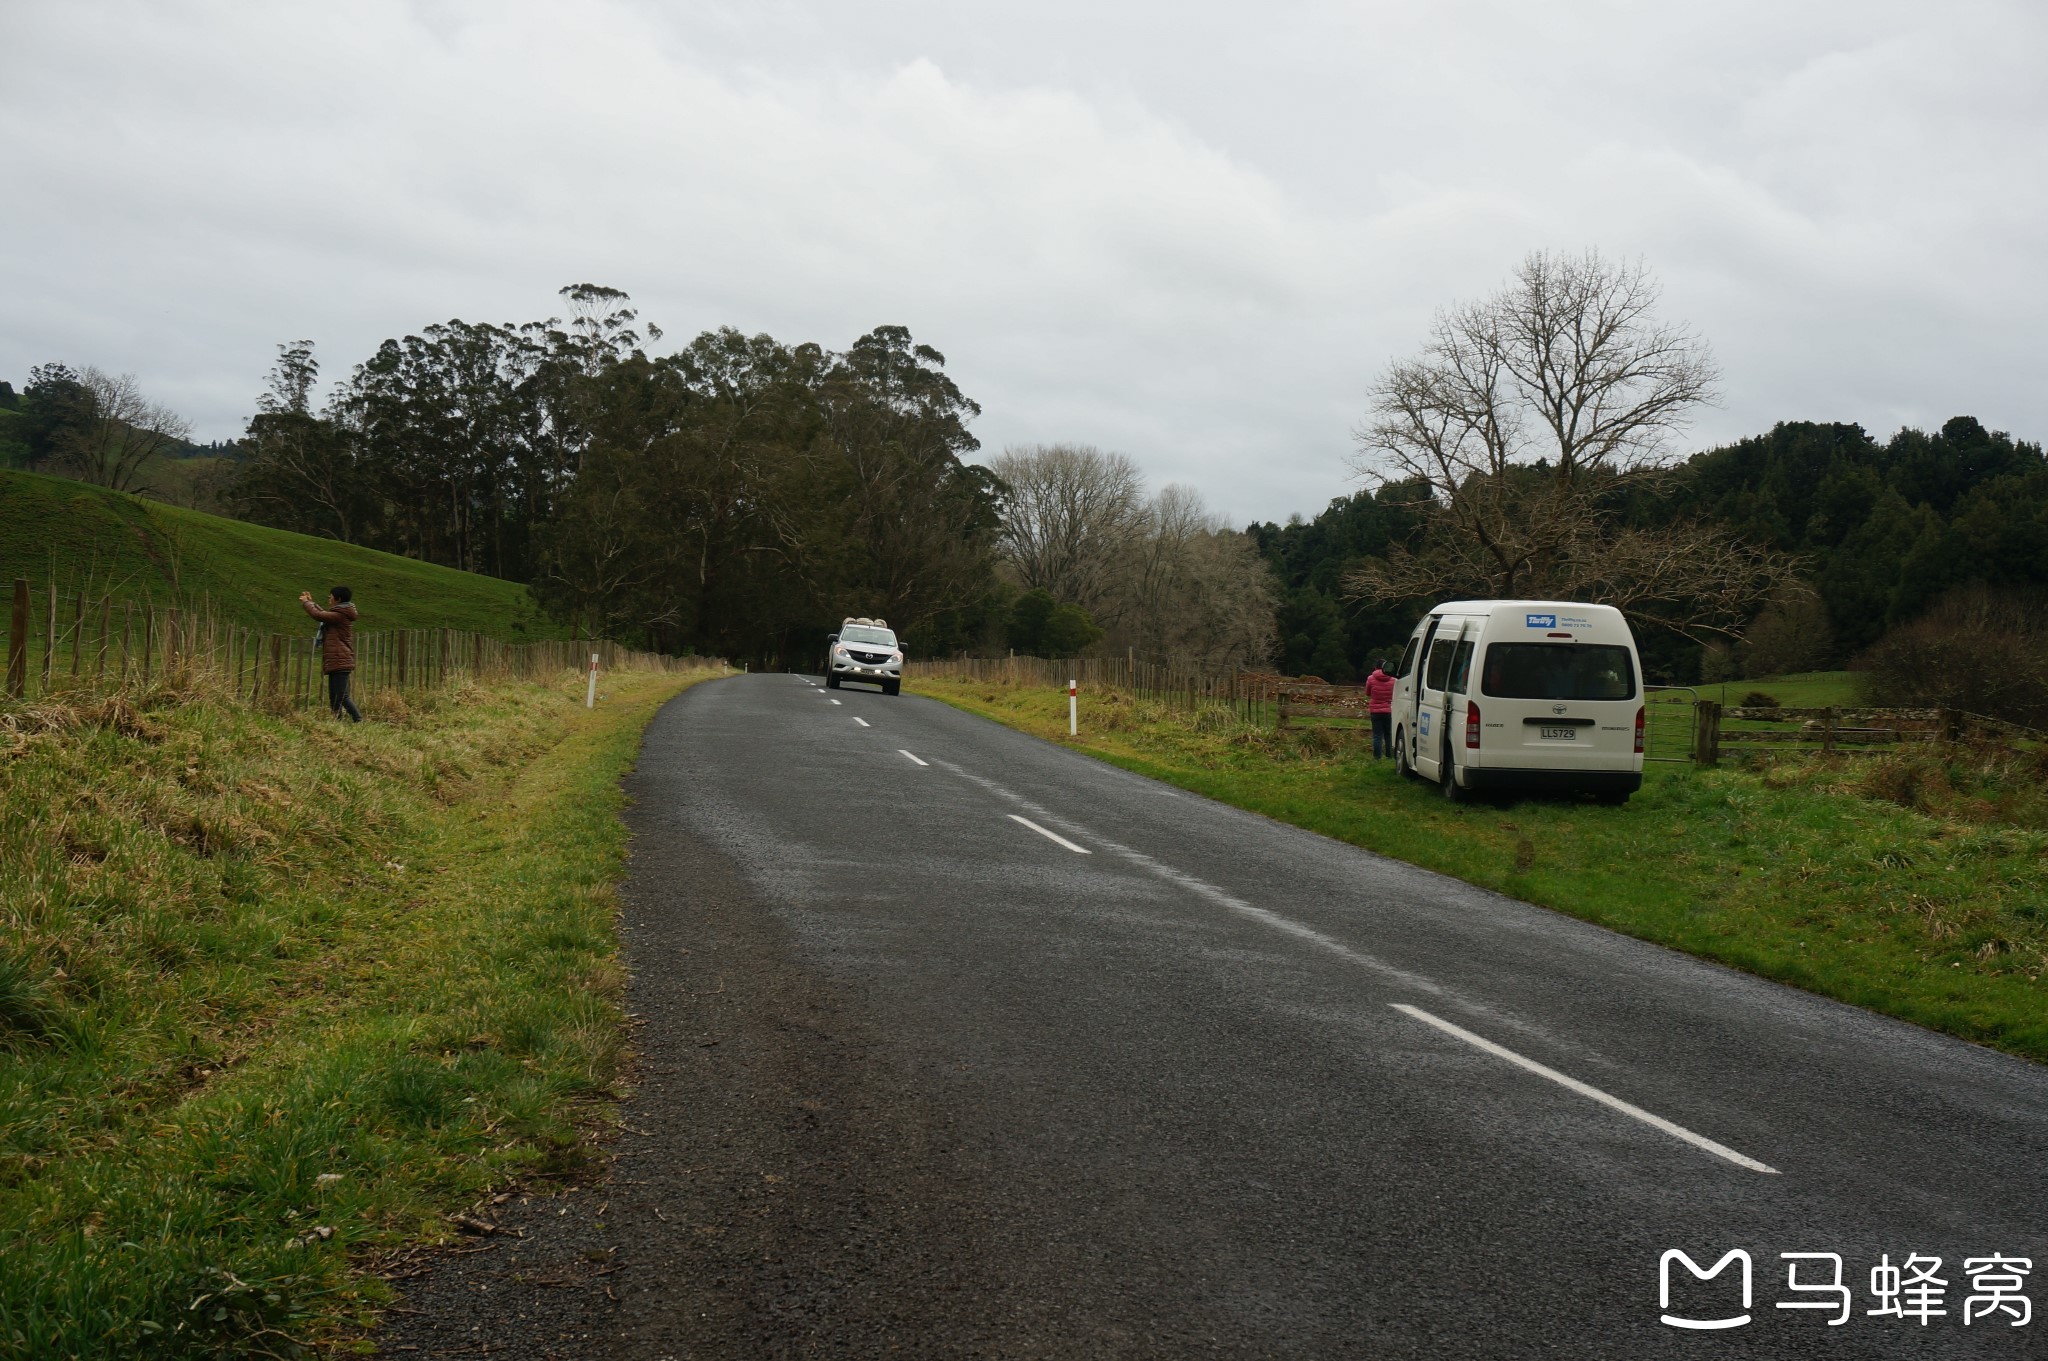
1193, 590
1526, 424
1072, 514
122, 431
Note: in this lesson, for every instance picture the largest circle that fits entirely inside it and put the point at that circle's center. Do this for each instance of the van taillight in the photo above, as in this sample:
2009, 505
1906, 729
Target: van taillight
1639, 731
1471, 724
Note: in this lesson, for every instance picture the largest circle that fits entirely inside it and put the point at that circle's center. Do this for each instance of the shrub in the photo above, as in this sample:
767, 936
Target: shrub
1791, 634
1978, 650
1759, 699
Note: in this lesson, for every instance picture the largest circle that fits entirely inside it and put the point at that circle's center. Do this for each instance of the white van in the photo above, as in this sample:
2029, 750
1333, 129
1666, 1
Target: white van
1529, 695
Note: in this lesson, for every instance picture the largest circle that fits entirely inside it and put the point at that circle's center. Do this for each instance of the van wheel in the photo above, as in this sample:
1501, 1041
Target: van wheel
1447, 769
1614, 799
1401, 766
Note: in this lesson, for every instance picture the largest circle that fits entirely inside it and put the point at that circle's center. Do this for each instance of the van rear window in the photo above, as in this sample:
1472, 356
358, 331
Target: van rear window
1558, 671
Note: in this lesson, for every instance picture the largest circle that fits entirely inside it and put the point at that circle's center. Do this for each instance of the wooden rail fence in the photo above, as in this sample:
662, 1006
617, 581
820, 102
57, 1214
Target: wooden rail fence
1720, 730
60, 641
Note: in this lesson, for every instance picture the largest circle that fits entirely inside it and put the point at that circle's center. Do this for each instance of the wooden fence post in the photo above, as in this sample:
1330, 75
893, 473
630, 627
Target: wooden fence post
77, 631
1827, 729
17, 642
50, 639
1706, 734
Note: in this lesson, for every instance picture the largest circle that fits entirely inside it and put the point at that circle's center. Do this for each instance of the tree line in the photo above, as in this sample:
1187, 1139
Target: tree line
737, 495
1877, 534
740, 494
1527, 450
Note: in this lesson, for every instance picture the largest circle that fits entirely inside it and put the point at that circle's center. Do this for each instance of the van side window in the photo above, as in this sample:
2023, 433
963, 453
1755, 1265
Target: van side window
1461, 669
1439, 668
1407, 659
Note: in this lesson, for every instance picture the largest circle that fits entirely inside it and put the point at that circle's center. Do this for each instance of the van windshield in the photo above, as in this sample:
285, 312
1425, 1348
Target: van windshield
1558, 671
861, 633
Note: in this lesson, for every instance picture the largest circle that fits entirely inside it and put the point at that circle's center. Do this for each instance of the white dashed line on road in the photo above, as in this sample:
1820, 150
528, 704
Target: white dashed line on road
901, 752
1049, 836
835, 701
863, 722
1573, 1084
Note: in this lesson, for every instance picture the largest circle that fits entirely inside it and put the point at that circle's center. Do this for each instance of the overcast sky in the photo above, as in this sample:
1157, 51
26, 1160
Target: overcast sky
1192, 232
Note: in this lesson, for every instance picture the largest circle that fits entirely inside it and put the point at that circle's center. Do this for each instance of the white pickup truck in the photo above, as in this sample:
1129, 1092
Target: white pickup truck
864, 650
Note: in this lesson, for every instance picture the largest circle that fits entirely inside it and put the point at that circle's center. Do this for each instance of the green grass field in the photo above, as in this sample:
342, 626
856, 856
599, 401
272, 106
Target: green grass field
80, 535
1914, 884
277, 995
1806, 690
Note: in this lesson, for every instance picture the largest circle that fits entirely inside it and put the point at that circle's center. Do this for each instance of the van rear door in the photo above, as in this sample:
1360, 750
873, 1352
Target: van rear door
1559, 705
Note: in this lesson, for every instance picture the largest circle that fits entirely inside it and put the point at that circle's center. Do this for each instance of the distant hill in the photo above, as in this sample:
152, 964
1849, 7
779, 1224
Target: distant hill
87, 536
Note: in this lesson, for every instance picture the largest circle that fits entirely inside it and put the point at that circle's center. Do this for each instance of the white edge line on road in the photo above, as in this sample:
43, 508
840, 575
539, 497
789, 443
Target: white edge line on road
1654, 1121
863, 722
901, 752
1049, 836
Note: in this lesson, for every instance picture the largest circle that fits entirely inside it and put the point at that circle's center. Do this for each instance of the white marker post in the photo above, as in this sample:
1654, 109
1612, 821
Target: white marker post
1073, 708
590, 694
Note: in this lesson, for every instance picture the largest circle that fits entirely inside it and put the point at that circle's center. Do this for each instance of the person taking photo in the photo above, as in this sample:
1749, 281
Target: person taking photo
337, 641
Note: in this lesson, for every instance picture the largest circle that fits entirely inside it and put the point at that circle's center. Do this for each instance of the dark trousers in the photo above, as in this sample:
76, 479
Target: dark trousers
337, 695
1382, 735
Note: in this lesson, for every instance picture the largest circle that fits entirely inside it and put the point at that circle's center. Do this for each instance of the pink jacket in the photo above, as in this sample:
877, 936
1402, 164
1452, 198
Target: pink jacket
1379, 692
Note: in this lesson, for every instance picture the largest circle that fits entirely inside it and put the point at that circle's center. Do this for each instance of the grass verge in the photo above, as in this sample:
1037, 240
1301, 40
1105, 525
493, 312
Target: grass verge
1914, 885
278, 994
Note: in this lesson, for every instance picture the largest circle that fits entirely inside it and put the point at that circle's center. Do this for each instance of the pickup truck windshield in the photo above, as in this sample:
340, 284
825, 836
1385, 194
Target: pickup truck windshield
1558, 671
868, 637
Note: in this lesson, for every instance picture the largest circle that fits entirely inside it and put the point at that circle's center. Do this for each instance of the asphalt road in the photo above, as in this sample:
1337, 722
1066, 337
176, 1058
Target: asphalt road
954, 1043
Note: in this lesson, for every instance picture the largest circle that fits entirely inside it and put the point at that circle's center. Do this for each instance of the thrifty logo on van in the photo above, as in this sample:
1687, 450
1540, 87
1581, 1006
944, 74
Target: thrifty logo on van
1542, 621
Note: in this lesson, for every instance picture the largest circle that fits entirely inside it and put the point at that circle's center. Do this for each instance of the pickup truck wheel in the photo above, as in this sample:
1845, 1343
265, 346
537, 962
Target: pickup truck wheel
831, 681
891, 687
1447, 768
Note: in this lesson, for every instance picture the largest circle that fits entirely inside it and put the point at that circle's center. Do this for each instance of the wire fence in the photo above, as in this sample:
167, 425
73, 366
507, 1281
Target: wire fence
1679, 725
62, 641
1253, 696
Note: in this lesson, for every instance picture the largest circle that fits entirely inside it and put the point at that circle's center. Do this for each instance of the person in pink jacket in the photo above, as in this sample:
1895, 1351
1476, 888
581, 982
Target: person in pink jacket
1379, 702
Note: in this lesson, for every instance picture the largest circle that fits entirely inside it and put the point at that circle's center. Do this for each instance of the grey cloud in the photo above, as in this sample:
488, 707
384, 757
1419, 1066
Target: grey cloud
1176, 230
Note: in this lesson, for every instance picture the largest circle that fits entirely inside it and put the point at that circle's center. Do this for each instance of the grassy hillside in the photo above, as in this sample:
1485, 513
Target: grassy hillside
80, 535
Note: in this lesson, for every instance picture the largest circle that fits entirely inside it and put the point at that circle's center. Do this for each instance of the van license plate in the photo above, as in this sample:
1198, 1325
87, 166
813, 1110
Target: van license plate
1560, 734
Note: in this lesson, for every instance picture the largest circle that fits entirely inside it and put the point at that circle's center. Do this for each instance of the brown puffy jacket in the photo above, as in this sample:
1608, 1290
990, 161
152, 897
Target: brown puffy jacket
338, 643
